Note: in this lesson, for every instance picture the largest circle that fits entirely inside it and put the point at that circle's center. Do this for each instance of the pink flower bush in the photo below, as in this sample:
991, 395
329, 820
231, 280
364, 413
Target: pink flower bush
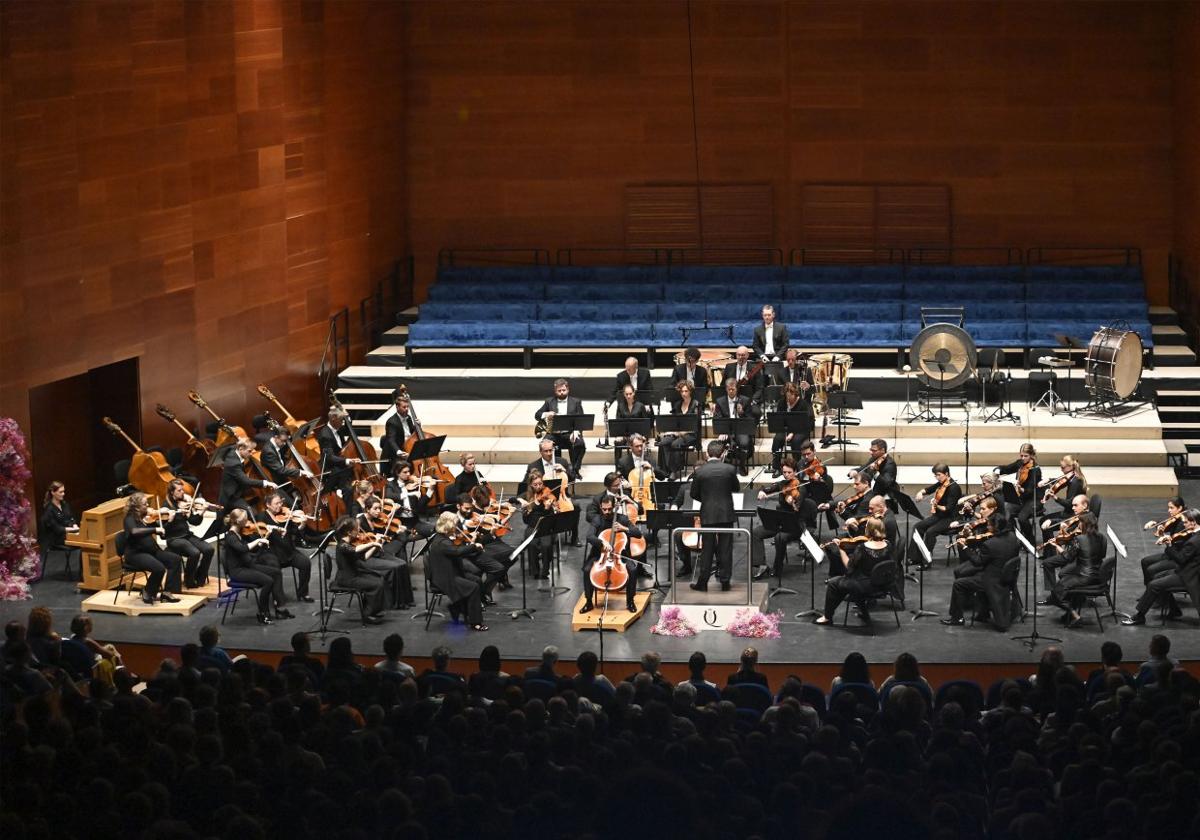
752, 624
18, 551
672, 622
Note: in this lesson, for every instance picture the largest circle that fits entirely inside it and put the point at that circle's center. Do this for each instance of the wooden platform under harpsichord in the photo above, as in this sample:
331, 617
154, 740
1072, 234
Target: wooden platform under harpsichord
131, 603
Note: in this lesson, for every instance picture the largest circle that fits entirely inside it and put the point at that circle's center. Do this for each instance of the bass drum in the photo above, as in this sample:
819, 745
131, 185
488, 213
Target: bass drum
1114, 363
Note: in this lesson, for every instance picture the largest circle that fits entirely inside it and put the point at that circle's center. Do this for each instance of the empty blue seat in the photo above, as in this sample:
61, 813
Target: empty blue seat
478, 292
951, 294
624, 292
728, 274
1088, 310
972, 310
444, 310
610, 274
839, 309
983, 333
468, 334
564, 310
502, 274
814, 292
593, 334
756, 294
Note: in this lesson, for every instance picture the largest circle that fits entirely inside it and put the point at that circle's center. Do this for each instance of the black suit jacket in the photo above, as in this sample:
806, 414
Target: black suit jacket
1030, 485
752, 387
331, 452
949, 499
749, 409
781, 339
278, 463
699, 379
642, 384
713, 486
625, 466
395, 433
551, 478
796, 375
885, 476
234, 480
574, 406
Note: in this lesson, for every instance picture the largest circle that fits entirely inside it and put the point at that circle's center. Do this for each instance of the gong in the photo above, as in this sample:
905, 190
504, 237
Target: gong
945, 345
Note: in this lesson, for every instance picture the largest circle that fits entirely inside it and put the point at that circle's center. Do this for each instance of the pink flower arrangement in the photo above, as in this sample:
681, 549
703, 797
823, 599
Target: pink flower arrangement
672, 622
753, 624
18, 551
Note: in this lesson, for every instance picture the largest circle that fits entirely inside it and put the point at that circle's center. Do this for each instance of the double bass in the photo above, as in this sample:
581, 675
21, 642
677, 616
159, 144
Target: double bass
433, 466
226, 434
148, 471
308, 489
366, 467
197, 453
309, 445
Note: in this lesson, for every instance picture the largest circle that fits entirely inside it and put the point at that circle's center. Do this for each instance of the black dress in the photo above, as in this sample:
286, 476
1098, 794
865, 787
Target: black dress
255, 567
353, 573
446, 573
197, 553
857, 580
142, 553
53, 534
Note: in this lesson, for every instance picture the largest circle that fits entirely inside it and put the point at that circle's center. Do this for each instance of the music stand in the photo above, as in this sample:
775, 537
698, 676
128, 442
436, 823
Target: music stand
666, 520
525, 609
780, 522
735, 427
841, 402
918, 539
428, 447
1071, 344
926, 414
772, 394
627, 426
563, 522
818, 556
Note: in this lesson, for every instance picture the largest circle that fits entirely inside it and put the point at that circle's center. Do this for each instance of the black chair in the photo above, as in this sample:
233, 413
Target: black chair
228, 597
1010, 575
882, 585
45, 551
864, 693
433, 597
121, 544
1101, 589
351, 594
121, 472
1094, 504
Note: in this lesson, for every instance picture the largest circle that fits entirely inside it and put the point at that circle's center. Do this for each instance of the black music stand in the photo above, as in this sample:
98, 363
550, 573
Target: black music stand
786, 422
429, 447
563, 522
735, 427
780, 522
666, 520
217, 461
565, 424
841, 402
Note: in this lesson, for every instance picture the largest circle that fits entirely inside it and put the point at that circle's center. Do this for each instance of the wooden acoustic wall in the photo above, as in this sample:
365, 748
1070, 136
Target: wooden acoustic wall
1187, 146
1049, 120
198, 184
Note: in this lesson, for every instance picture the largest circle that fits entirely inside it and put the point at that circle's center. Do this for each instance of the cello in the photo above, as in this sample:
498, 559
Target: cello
197, 453
311, 448
641, 478
226, 434
148, 471
609, 573
308, 489
433, 466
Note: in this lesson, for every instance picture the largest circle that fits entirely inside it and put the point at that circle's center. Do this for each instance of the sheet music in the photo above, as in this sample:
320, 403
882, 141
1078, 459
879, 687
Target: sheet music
1028, 545
1117, 544
814, 549
918, 540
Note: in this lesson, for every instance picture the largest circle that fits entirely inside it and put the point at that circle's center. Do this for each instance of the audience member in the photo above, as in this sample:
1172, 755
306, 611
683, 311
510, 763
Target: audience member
748, 672
393, 649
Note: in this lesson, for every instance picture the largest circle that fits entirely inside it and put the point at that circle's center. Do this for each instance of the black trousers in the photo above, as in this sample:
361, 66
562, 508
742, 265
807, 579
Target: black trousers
1158, 590
197, 556
673, 449
1051, 563
267, 577
471, 605
838, 589
158, 565
576, 448
539, 556
932, 527
1154, 565
374, 594
720, 545
589, 588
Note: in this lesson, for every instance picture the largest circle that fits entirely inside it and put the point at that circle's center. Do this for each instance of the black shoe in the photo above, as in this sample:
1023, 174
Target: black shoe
281, 614
726, 586
374, 619
764, 572
699, 587
308, 599
1135, 620
642, 573
684, 571
586, 608
488, 600
630, 606
168, 598
503, 585
576, 544
147, 599
952, 622
263, 618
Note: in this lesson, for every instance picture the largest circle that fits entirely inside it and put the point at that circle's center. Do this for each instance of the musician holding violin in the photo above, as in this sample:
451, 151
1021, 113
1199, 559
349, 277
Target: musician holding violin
944, 495
379, 522
985, 545
485, 566
450, 550
1183, 552
788, 494
1052, 550
673, 446
1070, 484
601, 544
856, 581
538, 503
354, 551
881, 471
1155, 564
288, 524
469, 478
1084, 554
850, 508
143, 529
248, 559
235, 482
990, 485
188, 512
553, 472
413, 495
1022, 499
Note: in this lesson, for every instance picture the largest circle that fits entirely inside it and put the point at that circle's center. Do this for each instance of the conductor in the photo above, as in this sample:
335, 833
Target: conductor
713, 486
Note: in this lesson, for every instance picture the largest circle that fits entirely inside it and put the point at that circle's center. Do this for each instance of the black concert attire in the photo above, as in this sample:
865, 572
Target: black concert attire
490, 565
674, 446
553, 479
1084, 555
852, 508
354, 573
287, 553
338, 473
640, 386
142, 553
1184, 575
1053, 561
698, 376
938, 522
235, 482
447, 572
1074, 488
562, 440
541, 550
857, 579
795, 375
1155, 564
196, 553
628, 464
463, 484
808, 515
780, 443
1022, 501
637, 411
735, 372
593, 553
713, 485
413, 505
884, 478
389, 562
980, 574
398, 429
280, 465
743, 445
256, 567
53, 532
779, 340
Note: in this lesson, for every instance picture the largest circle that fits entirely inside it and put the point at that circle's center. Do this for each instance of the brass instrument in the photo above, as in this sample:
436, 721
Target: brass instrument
544, 428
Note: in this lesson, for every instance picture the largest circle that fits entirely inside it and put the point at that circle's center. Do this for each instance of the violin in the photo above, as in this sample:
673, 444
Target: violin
790, 491
367, 538
495, 518
842, 542
467, 532
1054, 486
1023, 475
814, 470
1067, 530
1160, 528
967, 503
290, 517
1178, 536
258, 529
845, 503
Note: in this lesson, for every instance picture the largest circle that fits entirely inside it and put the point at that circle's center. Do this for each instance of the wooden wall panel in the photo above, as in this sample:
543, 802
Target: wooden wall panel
196, 184
1186, 75
1049, 120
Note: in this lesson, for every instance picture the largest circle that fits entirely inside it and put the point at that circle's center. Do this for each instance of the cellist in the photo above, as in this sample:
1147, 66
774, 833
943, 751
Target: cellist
332, 437
605, 518
234, 480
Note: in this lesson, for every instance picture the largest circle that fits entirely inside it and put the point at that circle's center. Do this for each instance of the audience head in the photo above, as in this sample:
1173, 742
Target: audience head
650, 661
1111, 654
855, 668
209, 636
1160, 646
489, 659
587, 662
550, 656
41, 622
300, 644
907, 669
81, 625
440, 657
393, 646
749, 659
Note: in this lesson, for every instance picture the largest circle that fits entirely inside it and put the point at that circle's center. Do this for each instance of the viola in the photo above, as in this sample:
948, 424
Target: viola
260, 529
609, 573
814, 470
842, 542
1162, 527
1178, 536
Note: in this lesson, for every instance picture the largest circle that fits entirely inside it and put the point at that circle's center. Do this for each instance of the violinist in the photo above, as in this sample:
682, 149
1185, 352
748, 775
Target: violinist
283, 542
1022, 498
632, 375
185, 514
360, 491
856, 581
537, 504
234, 479
563, 403
1157, 563
353, 554
1070, 484
607, 518
770, 338
739, 373
247, 559
881, 470
468, 479
143, 553
400, 427
983, 554
789, 494
332, 438
736, 405
1053, 556
552, 472
1184, 554
413, 495
486, 566
691, 372
944, 494
990, 486
277, 459
448, 571
57, 523
850, 508
813, 473
791, 441
675, 446
1084, 555
389, 561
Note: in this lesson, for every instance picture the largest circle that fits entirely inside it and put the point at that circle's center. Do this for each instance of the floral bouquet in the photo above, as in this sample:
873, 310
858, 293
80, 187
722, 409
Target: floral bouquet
753, 624
672, 622
18, 552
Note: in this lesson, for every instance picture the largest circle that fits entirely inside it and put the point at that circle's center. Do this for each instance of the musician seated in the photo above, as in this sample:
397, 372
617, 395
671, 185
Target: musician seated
628, 407
817, 480
468, 479
945, 494
990, 485
851, 508
634, 376
449, 570
494, 547
538, 503
1084, 556
1021, 498
734, 405
143, 553
691, 371
856, 582
353, 554
746, 375
552, 471
792, 403
563, 403
1182, 551
186, 514
247, 559
1157, 563
637, 456
1070, 484
381, 524
485, 566
770, 339
984, 549
789, 495
1053, 556
56, 525
675, 446
605, 519
413, 495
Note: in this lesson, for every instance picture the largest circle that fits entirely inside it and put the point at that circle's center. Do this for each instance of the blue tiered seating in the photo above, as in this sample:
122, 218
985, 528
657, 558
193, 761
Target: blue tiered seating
824, 306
